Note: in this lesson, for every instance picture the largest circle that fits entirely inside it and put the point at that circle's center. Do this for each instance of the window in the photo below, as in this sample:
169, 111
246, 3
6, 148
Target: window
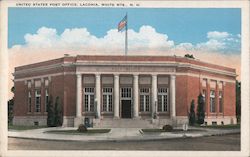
107, 99
220, 101
144, 99
46, 100
38, 101
162, 99
212, 101
204, 99
89, 99
29, 101
29, 84
126, 92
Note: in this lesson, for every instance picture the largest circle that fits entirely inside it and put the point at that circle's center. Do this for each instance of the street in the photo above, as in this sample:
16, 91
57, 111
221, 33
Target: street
213, 143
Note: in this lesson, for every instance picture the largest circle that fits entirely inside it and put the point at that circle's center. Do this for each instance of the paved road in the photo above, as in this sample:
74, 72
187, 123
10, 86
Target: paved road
219, 143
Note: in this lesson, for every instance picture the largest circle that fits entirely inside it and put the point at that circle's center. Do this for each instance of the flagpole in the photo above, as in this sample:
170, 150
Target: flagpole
126, 36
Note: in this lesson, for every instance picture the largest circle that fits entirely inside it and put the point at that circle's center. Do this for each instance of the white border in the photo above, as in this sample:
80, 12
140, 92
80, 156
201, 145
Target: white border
243, 4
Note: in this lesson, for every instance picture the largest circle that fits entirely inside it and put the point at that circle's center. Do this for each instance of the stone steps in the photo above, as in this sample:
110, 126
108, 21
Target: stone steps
124, 123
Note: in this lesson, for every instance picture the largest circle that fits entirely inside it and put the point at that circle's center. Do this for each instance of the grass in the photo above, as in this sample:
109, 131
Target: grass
231, 126
161, 130
75, 132
14, 127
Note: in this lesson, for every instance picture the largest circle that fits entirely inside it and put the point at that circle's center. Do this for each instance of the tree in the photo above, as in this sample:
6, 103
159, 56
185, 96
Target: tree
200, 110
50, 117
192, 114
11, 108
58, 112
238, 100
10, 111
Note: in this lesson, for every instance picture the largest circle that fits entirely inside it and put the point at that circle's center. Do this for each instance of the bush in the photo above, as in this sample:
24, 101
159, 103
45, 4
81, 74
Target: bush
82, 128
192, 114
167, 128
200, 110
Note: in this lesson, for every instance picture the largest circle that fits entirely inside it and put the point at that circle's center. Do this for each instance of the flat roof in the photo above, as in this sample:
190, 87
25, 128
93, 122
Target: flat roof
133, 58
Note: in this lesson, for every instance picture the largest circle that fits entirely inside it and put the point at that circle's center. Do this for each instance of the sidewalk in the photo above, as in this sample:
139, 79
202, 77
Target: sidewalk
116, 134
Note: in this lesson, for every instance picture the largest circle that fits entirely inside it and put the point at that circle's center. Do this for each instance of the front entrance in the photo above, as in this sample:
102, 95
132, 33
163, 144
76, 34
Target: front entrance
126, 108
126, 100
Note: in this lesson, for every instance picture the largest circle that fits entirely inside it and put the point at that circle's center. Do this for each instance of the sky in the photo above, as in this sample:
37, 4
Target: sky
181, 25
39, 34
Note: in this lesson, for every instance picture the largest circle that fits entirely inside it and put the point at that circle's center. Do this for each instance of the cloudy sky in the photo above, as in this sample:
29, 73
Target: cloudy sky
211, 35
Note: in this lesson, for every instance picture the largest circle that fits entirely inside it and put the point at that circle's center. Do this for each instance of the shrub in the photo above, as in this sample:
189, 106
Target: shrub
192, 114
82, 128
167, 128
200, 110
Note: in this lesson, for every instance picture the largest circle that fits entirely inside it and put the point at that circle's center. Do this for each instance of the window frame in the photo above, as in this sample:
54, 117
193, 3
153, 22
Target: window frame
89, 93
37, 97
144, 99
212, 101
162, 99
107, 94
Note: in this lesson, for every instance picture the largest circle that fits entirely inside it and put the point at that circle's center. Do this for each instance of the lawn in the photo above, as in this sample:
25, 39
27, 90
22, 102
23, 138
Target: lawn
75, 132
161, 130
231, 126
14, 127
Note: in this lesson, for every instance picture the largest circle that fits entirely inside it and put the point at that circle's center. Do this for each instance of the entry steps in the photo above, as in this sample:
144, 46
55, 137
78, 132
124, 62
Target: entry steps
128, 123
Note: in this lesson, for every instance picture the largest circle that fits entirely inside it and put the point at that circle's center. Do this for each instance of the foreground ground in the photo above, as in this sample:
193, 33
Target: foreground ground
216, 143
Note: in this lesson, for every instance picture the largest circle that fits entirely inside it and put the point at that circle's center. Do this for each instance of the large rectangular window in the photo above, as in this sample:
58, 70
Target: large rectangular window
38, 100
220, 101
107, 99
29, 101
46, 100
162, 99
144, 99
212, 101
89, 99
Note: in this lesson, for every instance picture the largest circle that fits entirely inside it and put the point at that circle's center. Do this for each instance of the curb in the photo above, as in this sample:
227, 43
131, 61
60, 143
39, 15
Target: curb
131, 138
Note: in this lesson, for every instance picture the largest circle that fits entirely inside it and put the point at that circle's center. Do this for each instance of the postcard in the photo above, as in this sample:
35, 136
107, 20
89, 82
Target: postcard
119, 78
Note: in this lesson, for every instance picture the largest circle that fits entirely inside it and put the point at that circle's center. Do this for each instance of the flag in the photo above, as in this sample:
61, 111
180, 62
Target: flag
122, 23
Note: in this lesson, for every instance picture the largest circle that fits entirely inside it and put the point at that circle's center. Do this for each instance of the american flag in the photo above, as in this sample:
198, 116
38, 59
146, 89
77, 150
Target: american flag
122, 23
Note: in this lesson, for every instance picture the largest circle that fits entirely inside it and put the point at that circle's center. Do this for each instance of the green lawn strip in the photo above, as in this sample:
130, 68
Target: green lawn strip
161, 130
13, 127
75, 132
235, 126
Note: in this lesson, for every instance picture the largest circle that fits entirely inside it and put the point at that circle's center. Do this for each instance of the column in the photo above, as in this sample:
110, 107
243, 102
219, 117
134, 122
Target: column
78, 95
98, 94
116, 96
136, 88
172, 95
154, 94
217, 104
208, 98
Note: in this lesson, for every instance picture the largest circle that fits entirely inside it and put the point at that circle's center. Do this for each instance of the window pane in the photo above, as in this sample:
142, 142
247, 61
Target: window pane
92, 99
141, 103
147, 102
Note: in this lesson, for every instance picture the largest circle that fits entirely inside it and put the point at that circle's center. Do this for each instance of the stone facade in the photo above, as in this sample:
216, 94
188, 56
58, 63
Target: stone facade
156, 90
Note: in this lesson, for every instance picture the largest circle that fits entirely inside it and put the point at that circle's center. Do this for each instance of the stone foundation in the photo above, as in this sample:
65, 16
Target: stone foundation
226, 120
30, 120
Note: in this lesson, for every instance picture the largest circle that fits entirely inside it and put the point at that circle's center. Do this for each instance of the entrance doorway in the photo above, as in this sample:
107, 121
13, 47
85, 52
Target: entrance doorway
126, 108
126, 99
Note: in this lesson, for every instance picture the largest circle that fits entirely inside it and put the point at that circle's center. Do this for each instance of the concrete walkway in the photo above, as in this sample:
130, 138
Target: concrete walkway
121, 134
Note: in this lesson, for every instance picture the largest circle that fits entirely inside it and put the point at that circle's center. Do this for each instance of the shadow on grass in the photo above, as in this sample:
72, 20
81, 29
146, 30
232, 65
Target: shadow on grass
75, 132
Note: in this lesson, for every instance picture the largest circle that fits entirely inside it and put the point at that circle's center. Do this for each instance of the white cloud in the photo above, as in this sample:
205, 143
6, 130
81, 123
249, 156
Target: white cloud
217, 35
47, 44
82, 40
147, 39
